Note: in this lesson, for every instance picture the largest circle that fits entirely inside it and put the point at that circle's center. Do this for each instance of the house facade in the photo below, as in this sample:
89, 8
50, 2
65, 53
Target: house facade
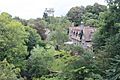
82, 35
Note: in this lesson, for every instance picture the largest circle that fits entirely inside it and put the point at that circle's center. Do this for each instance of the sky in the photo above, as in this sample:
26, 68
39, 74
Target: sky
27, 9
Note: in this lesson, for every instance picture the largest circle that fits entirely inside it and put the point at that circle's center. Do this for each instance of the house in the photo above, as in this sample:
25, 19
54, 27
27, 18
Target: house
82, 35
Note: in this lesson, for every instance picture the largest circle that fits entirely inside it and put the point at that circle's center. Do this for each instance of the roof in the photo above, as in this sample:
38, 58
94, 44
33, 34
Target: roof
87, 32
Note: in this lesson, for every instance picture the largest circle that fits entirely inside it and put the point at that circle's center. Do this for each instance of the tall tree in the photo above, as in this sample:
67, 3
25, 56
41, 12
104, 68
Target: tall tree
75, 14
39, 25
12, 41
107, 40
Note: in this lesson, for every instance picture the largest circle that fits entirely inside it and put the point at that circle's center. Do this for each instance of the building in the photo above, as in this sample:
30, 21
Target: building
82, 35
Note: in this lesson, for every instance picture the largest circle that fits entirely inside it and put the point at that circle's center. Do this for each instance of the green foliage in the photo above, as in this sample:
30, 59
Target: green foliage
33, 38
79, 67
74, 49
98, 41
113, 73
112, 50
92, 22
8, 71
39, 25
113, 45
94, 76
58, 23
45, 16
23, 21
5, 18
12, 37
44, 78
39, 62
58, 27
109, 28
89, 15
28, 56
75, 14
58, 37
107, 41
95, 9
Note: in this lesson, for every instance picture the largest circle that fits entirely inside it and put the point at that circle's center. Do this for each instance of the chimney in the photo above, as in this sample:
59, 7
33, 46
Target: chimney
72, 25
82, 25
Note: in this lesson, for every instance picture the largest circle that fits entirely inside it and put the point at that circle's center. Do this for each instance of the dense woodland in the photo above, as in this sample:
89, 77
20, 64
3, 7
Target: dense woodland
28, 53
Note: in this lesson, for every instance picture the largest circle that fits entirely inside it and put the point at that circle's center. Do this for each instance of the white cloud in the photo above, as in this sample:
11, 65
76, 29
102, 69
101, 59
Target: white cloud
35, 8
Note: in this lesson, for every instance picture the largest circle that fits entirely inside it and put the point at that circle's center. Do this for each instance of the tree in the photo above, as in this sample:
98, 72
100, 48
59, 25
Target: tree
5, 18
108, 40
23, 21
12, 42
33, 38
38, 63
75, 14
39, 25
58, 31
45, 15
79, 67
9, 72
91, 16
96, 8
92, 22
109, 27
58, 37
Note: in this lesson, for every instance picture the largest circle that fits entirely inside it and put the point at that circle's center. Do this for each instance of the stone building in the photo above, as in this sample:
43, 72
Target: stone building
82, 35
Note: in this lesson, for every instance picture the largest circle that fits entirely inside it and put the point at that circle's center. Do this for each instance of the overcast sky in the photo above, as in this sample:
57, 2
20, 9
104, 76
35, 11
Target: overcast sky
34, 8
